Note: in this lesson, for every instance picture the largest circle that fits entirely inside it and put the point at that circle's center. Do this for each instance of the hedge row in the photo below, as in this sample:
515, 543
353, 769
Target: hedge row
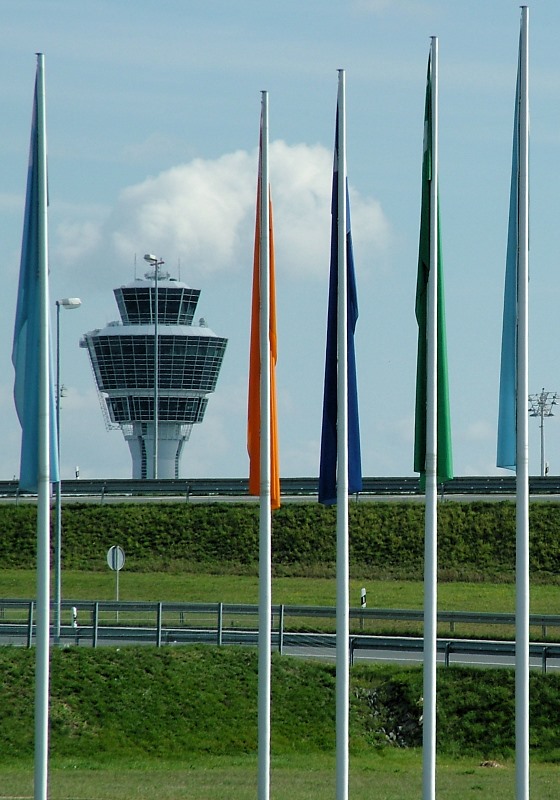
386, 538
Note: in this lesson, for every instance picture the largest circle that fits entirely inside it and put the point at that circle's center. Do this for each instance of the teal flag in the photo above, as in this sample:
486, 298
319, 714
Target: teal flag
507, 413
27, 331
444, 450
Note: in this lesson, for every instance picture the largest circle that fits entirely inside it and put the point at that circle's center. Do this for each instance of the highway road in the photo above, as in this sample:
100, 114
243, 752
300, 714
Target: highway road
362, 649
412, 657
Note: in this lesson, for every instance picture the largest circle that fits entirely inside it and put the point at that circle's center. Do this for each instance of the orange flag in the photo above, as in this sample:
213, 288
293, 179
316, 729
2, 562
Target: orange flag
254, 431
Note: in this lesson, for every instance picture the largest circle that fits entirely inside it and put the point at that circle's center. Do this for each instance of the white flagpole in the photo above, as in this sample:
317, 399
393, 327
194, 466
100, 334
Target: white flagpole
522, 480
43, 488
265, 522
430, 545
342, 563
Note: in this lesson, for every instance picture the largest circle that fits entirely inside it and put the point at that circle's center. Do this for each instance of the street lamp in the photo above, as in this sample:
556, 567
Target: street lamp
156, 264
69, 303
541, 406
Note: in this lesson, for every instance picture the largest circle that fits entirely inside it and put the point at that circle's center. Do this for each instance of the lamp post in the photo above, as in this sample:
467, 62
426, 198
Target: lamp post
541, 406
69, 303
156, 263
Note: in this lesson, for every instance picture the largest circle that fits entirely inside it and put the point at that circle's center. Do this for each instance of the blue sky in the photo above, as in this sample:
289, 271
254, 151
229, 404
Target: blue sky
153, 114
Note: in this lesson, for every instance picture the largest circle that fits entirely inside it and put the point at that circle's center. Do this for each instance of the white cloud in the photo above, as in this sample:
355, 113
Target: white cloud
195, 210
75, 240
301, 184
371, 231
203, 213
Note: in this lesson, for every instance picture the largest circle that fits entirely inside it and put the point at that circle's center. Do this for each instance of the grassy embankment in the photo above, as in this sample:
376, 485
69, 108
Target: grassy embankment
209, 553
189, 715
185, 721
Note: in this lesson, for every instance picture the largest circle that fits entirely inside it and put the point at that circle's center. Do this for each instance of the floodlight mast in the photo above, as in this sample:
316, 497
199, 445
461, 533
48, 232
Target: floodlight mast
541, 406
156, 264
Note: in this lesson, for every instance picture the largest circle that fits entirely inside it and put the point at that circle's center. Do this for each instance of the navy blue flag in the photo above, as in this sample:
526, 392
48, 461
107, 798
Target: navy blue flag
328, 462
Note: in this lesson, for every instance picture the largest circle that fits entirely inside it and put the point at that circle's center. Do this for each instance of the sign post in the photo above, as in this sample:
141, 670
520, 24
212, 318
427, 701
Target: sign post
115, 560
363, 604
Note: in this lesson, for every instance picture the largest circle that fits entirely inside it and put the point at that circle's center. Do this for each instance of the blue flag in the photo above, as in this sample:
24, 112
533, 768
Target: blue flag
27, 329
328, 462
507, 415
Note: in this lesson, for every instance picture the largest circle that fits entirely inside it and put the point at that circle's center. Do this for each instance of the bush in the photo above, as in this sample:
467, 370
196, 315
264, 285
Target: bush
386, 539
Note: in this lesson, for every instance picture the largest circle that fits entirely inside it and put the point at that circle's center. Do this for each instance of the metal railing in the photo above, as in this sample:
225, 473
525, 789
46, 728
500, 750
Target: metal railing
110, 622
238, 487
185, 614
544, 652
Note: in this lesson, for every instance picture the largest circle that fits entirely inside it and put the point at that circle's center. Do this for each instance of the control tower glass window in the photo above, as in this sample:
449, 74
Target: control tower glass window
176, 305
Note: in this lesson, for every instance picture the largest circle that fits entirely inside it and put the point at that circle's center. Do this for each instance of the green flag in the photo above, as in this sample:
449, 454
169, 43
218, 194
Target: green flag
444, 454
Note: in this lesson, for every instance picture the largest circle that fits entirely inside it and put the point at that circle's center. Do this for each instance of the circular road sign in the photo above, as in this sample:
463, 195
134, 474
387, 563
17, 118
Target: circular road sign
115, 557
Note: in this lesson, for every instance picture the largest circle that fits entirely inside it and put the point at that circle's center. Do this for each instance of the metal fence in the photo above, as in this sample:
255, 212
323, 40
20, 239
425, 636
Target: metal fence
100, 623
304, 487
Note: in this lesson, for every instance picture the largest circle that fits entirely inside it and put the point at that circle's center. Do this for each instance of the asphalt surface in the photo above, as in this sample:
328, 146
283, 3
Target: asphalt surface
407, 651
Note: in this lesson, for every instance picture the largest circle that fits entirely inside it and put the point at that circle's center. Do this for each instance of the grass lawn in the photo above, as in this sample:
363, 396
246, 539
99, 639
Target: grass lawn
205, 587
385, 776
309, 591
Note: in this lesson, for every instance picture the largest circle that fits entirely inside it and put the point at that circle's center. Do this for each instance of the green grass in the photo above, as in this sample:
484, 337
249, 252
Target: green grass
313, 591
207, 587
384, 776
135, 703
178, 723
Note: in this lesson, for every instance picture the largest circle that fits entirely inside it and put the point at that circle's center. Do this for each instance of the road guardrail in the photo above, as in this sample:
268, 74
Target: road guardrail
109, 622
238, 487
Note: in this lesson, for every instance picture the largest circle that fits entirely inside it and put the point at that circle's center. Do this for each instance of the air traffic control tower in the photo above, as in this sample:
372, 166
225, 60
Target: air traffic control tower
156, 417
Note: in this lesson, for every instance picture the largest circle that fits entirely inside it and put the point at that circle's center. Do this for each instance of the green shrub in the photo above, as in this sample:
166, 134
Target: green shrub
386, 539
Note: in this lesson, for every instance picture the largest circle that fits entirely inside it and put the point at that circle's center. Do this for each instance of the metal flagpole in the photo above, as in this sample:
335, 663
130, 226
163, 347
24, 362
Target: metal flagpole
43, 487
342, 566
522, 480
430, 544
265, 522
